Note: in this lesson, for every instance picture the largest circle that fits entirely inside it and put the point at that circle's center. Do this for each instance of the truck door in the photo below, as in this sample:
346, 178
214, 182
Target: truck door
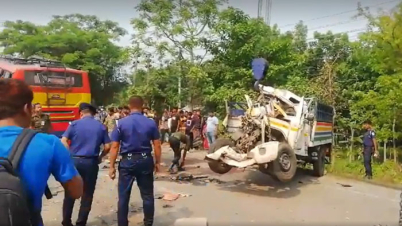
301, 142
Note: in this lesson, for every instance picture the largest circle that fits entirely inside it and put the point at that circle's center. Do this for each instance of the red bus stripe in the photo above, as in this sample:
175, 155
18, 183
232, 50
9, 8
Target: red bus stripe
60, 126
62, 114
324, 124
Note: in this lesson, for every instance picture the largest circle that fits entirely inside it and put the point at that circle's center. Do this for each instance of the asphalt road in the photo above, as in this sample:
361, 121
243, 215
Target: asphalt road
245, 198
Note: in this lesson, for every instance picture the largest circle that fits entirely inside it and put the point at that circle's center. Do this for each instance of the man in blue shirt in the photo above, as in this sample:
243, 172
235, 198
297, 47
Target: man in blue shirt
45, 153
369, 147
135, 133
86, 136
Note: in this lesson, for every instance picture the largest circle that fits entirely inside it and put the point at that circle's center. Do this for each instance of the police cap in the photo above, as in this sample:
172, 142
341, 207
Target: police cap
86, 106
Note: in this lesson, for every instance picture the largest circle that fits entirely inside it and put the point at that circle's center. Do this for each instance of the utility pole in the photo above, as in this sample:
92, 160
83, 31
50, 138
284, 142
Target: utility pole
268, 8
148, 65
259, 10
135, 66
265, 8
179, 80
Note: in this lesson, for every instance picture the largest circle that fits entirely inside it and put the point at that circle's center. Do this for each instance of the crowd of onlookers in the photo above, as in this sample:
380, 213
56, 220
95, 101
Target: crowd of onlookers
74, 160
202, 130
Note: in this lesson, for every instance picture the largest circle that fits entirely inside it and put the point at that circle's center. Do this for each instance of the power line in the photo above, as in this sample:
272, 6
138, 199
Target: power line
334, 24
360, 30
340, 13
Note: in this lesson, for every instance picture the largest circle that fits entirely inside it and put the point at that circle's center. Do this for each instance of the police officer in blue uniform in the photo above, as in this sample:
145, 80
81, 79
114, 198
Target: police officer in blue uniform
135, 133
86, 136
369, 147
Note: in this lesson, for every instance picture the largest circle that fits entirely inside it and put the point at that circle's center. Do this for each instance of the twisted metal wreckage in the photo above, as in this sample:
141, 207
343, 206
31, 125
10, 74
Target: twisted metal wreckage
277, 131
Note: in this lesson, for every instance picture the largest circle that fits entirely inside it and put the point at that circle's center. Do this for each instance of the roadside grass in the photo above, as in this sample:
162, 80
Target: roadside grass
384, 173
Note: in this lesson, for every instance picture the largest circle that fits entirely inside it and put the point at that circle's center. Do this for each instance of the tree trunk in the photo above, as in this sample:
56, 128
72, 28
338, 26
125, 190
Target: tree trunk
393, 139
385, 150
395, 156
351, 156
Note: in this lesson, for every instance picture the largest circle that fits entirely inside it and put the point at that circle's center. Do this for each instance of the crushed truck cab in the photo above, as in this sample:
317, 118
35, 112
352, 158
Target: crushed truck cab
276, 131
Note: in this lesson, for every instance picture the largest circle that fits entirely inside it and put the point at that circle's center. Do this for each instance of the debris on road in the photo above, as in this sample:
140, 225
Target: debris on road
184, 195
170, 196
198, 180
167, 206
191, 222
135, 209
184, 177
158, 196
345, 185
190, 177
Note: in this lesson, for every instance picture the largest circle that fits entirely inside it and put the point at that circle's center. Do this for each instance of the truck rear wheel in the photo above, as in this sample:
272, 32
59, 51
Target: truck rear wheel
219, 166
319, 164
285, 165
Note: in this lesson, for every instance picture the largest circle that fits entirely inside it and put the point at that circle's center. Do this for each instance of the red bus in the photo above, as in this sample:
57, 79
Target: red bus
57, 88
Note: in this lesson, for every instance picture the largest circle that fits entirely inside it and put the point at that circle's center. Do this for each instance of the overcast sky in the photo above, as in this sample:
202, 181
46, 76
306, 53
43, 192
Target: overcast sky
283, 13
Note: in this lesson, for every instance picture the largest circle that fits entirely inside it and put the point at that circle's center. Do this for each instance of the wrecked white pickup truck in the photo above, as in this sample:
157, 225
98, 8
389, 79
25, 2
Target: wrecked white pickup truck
276, 132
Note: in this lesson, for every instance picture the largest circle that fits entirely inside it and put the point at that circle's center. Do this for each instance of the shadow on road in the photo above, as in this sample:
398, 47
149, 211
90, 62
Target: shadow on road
248, 182
257, 183
163, 217
168, 218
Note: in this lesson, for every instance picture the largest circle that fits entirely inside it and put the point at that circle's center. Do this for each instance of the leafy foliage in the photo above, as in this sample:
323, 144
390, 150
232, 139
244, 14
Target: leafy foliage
360, 78
81, 42
198, 53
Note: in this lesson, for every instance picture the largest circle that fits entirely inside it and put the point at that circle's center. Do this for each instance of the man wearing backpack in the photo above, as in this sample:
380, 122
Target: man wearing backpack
27, 159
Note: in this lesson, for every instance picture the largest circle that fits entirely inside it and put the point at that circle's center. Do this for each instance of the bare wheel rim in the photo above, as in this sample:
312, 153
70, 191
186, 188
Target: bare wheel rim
284, 162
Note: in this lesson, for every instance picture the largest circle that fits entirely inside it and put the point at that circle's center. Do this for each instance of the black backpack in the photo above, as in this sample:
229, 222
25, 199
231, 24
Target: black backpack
14, 204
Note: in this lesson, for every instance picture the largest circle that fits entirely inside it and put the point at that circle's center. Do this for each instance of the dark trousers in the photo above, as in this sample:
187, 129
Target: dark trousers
163, 134
174, 143
367, 153
88, 170
190, 134
138, 167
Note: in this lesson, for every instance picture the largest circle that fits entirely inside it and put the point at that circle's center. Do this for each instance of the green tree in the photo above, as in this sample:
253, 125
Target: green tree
177, 29
241, 39
79, 41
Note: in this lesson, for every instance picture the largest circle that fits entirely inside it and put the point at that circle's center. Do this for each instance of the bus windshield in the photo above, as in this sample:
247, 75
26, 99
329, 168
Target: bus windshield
53, 78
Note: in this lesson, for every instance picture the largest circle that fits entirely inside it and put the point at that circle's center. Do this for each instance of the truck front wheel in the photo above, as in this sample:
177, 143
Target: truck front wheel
219, 166
285, 165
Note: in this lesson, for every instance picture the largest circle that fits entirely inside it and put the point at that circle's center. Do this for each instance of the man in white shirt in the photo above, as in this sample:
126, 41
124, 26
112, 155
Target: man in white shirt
164, 126
212, 128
